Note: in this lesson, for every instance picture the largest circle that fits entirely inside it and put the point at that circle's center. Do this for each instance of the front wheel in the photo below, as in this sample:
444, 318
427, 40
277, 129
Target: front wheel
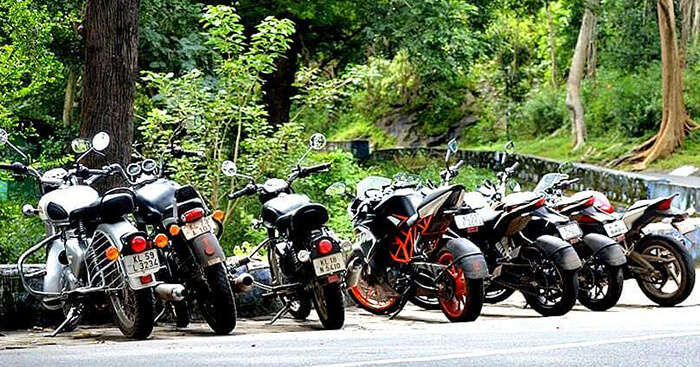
460, 299
329, 303
133, 311
600, 285
673, 277
372, 296
555, 291
218, 305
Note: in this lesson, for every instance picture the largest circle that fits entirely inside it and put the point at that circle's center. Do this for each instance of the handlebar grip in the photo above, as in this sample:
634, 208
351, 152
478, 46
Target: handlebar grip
248, 190
188, 153
16, 167
318, 168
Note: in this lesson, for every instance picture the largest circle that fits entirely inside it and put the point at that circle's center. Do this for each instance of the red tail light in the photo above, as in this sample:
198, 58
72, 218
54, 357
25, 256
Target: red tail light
193, 215
590, 201
138, 244
325, 247
665, 205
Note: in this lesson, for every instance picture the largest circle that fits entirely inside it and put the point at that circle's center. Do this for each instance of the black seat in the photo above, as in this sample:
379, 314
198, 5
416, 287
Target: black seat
275, 208
451, 200
306, 217
113, 206
154, 199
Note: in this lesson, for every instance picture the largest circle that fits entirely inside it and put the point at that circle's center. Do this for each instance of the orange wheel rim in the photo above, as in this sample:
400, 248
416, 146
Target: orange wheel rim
457, 303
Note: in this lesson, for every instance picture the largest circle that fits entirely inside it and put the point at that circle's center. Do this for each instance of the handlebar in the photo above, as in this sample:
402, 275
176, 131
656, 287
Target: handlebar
248, 190
185, 153
305, 171
16, 167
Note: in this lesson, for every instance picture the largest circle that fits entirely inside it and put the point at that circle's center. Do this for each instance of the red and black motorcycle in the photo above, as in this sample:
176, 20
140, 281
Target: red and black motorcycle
402, 251
661, 264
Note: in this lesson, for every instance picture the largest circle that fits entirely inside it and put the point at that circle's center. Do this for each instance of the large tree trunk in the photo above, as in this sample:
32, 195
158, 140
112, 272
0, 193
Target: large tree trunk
69, 97
690, 25
675, 123
111, 47
578, 64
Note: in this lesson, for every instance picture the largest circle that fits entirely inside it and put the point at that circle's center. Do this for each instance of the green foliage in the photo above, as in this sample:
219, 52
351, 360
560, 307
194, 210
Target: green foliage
18, 232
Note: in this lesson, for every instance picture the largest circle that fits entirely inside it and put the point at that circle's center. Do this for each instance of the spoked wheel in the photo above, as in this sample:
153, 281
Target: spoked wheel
673, 277
299, 303
600, 285
373, 297
133, 311
329, 303
496, 293
556, 290
460, 299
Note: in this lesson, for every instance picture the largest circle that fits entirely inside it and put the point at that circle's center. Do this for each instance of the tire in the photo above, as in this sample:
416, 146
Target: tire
329, 303
364, 295
136, 322
567, 282
593, 277
425, 302
679, 258
182, 314
462, 299
495, 293
219, 306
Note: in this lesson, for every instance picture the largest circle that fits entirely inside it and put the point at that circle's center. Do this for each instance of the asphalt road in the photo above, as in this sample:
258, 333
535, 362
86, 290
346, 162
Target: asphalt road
635, 333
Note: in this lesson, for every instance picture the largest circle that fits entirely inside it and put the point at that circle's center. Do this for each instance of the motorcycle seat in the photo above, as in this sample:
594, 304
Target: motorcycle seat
309, 216
488, 215
112, 206
519, 198
155, 199
276, 208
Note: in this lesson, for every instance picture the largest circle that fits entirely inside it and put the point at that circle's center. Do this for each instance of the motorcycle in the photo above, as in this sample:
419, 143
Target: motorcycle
543, 268
185, 230
403, 252
306, 260
92, 250
660, 263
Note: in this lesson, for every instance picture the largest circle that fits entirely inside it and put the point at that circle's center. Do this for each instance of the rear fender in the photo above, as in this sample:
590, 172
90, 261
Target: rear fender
469, 258
605, 248
559, 251
207, 250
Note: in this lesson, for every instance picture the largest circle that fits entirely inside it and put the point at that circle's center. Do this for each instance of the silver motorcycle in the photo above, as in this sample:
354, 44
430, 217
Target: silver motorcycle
92, 251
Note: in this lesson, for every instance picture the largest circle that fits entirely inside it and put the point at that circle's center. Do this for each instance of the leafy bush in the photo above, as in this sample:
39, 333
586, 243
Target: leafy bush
542, 113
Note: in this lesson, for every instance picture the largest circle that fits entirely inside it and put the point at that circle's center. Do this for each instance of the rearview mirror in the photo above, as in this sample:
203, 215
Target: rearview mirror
452, 147
80, 145
229, 168
317, 141
337, 188
3, 137
100, 141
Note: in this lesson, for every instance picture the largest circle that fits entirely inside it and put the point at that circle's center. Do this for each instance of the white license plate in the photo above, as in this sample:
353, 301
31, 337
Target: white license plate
685, 226
329, 264
570, 231
194, 229
142, 264
468, 221
615, 228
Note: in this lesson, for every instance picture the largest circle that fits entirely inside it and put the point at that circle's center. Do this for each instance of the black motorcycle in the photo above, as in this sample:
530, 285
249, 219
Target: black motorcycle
305, 257
184, 229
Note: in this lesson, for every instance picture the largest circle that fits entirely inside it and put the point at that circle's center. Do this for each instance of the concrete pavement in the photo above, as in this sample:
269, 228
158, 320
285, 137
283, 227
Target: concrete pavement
635, 333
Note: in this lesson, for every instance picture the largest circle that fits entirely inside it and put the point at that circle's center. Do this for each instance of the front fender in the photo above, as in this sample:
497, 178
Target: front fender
207, 249
559, 251
605, 248
469, 258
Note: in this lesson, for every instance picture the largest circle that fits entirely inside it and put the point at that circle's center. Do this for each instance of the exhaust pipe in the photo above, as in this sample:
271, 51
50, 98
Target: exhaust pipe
243, 283
353, 273
170, 292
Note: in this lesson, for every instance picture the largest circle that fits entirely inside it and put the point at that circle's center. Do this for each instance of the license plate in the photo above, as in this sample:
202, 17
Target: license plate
468, 220
685, 226
615, 228
329, 264
194, 229
570, 231
142, 264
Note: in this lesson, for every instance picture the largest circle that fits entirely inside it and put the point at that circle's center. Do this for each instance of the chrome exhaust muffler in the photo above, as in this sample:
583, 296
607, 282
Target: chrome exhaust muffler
170, 292
243, 283
353, 273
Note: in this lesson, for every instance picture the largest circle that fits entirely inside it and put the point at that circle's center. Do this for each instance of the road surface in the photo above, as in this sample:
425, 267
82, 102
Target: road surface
635, 333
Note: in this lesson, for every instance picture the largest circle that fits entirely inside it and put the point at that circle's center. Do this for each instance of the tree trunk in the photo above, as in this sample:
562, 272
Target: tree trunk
675, 122
578, 64
278, 85
690, 9
552, 46
592, 54
107, 103
69, 97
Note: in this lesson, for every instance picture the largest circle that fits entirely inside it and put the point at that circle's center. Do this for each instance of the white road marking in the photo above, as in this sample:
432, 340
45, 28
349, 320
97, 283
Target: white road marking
529, 349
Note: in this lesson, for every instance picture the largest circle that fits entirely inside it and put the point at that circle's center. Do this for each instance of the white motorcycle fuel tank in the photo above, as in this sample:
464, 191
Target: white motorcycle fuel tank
57, 205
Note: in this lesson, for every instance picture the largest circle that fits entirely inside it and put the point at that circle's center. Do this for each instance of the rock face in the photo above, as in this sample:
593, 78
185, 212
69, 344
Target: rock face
404, 127
19, 310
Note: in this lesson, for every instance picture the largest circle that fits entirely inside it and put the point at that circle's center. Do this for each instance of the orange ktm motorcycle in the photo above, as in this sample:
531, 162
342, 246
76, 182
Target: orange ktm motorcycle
402, 252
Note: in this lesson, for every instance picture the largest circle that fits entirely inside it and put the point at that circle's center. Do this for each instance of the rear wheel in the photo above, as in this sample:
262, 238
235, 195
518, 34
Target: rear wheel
495, 293
372, 296
219, 306
600, 285
133, 311
460, 299
329, 303
673, 277
555, 291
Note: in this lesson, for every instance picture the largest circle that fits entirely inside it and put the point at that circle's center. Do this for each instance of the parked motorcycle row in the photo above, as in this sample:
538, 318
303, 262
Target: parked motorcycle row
152, 246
